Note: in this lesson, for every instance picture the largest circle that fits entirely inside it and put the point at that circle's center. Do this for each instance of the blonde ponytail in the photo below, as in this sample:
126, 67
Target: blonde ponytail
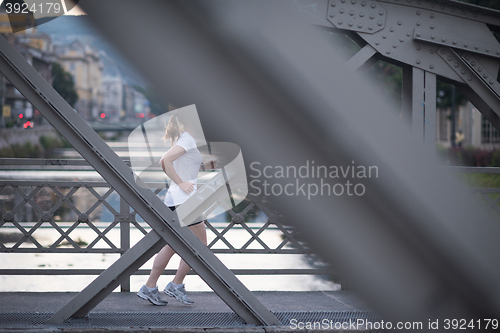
173, 130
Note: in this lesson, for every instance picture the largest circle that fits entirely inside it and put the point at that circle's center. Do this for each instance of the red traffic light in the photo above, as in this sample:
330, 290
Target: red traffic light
103, 115
21, 116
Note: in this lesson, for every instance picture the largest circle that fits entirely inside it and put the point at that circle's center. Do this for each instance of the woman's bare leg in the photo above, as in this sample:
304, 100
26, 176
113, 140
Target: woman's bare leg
160, 262
200, 232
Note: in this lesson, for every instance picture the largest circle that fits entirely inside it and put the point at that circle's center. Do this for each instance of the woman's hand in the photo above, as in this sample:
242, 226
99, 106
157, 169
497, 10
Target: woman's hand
187, 187
210, 164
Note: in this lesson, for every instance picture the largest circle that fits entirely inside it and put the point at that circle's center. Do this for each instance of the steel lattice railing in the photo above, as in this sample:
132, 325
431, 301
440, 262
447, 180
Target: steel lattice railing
67, 206
27, 206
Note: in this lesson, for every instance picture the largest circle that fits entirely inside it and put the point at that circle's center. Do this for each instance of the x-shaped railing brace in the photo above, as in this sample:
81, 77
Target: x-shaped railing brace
165, 224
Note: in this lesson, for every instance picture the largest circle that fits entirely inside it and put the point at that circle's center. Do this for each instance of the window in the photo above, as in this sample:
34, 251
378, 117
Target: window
489, 134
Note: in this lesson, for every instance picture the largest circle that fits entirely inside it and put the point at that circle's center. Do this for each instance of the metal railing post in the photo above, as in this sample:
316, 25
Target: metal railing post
124, 218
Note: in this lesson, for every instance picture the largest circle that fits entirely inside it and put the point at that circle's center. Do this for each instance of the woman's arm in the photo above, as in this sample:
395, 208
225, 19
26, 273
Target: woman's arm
167, 164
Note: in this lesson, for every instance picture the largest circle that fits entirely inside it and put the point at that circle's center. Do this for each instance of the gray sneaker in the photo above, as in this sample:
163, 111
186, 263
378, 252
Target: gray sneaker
151, 295
178, 292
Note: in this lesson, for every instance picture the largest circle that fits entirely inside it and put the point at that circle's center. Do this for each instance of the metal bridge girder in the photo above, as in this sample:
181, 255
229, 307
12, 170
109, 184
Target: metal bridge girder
163, 221
411, 32
414, 33
484, 88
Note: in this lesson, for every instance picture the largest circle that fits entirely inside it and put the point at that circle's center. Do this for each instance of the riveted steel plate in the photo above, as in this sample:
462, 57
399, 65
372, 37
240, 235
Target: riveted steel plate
453, 8
482, 72
471, 70
458, 42
396, 40
366, 16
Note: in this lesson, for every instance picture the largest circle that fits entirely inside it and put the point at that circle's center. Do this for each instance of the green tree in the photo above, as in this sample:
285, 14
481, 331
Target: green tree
63, 83
444, 95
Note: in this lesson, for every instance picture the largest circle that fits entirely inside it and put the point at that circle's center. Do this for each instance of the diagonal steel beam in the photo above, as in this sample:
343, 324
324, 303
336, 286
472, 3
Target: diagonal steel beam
480, 104
105, 161
484, 90
111, 278
363, 59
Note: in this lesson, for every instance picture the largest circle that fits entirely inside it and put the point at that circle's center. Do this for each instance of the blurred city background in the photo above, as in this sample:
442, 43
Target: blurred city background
108, 93
83, 68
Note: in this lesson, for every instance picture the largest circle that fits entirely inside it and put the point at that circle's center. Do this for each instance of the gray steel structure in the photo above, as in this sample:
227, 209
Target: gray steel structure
22, 209
429, 39
412, 232
166, 225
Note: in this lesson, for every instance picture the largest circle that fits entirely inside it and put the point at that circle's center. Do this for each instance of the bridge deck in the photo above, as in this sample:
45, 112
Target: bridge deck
29, 310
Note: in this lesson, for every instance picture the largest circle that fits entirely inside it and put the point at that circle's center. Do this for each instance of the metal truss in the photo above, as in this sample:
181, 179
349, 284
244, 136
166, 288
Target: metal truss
165, 223
27, 206
422, 36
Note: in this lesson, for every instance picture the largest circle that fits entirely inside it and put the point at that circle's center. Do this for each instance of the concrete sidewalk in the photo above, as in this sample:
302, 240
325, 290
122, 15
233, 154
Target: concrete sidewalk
127, 312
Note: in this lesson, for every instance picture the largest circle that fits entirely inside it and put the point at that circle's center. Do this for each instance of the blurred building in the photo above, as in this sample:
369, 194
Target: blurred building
82, 61
37, 49
113, 98
477, 130
135, 104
